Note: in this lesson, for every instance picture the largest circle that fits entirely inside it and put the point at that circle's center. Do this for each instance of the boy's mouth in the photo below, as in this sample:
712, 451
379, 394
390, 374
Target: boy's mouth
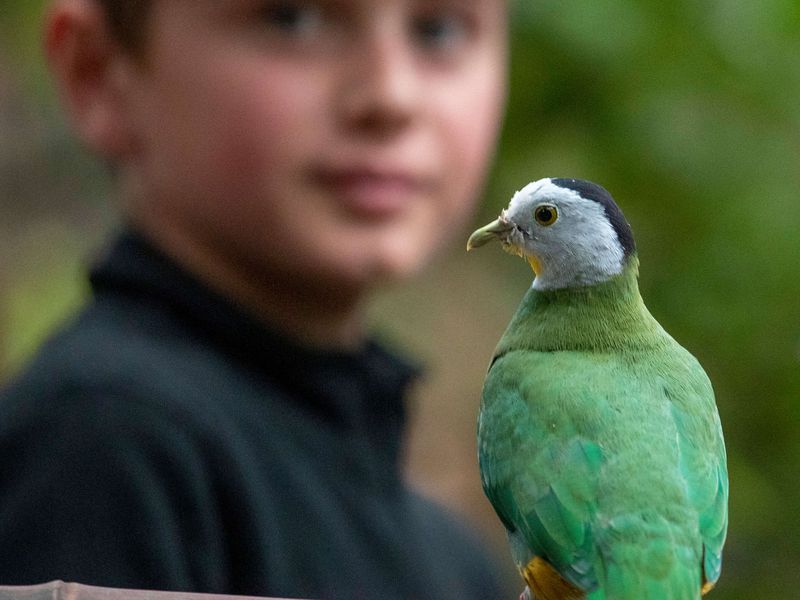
371, 193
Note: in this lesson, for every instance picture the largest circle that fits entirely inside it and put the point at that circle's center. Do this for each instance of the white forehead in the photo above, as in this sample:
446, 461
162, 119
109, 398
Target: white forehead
527, 196
583, 214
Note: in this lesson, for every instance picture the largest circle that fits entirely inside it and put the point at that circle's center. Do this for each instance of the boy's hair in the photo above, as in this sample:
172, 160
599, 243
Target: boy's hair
127, 20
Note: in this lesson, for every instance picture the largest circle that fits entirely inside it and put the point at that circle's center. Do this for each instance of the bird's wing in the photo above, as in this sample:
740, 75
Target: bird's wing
537, 470
550, 423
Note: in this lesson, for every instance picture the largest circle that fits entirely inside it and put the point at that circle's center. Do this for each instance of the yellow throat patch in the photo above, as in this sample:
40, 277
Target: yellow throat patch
535, 264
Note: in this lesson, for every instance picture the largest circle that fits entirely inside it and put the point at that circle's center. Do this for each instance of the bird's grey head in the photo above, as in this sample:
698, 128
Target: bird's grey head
571, 231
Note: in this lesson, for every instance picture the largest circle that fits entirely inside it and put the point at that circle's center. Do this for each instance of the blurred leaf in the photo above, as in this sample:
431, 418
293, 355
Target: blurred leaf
686, 111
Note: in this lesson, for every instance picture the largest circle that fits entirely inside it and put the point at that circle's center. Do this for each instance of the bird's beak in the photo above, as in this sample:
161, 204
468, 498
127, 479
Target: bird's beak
496, 230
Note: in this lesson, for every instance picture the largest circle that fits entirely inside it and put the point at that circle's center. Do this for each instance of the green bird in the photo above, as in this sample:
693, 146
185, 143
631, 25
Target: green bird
599, 441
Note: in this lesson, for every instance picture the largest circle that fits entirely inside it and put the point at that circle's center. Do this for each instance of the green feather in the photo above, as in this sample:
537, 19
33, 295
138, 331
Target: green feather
600, 446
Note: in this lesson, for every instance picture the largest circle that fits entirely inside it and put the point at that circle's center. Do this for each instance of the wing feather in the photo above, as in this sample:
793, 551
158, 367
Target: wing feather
549, 453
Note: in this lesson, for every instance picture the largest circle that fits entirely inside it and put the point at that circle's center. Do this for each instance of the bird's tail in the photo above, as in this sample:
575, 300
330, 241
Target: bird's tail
658, 571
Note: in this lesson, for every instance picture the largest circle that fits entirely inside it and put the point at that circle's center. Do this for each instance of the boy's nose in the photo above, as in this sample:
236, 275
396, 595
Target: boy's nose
380, 85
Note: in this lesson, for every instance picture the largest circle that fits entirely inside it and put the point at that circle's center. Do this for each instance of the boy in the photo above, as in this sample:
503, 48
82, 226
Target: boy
217, 419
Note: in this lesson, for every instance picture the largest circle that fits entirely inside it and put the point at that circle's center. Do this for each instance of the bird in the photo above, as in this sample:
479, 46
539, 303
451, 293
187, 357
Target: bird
600, 445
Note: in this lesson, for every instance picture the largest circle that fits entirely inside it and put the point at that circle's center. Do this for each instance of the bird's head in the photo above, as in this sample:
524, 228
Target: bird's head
571, 232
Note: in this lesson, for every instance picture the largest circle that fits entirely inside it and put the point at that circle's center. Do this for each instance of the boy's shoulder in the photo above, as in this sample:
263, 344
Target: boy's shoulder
104, 361
128, 351
142, 333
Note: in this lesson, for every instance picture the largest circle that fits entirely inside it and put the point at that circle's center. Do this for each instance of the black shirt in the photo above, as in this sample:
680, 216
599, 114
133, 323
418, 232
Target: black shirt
166, 440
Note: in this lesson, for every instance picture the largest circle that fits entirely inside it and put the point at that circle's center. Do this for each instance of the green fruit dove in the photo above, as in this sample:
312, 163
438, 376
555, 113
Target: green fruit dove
599, 441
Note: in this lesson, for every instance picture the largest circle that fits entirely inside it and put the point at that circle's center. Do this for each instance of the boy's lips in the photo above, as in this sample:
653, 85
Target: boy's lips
368, 192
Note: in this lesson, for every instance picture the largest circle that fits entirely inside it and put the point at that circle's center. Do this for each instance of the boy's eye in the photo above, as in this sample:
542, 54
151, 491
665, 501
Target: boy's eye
441, 32
294, 17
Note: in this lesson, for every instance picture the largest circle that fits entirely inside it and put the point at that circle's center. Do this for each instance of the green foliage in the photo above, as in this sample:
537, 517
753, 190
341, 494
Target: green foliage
36, 303
687, 112
21, 41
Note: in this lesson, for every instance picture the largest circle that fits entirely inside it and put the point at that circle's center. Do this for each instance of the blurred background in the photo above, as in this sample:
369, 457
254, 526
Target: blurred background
688, 112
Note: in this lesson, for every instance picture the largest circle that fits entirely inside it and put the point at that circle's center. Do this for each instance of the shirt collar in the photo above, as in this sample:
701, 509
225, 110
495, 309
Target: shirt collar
363, 391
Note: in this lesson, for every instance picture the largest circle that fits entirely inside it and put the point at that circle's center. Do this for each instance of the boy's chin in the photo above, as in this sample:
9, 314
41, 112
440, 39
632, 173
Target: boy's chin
383, 270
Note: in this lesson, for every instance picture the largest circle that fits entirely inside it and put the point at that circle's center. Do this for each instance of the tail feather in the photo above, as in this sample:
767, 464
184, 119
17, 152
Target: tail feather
630, 586
659, 571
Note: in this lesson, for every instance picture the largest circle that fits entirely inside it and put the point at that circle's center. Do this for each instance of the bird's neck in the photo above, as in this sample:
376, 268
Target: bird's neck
602, 317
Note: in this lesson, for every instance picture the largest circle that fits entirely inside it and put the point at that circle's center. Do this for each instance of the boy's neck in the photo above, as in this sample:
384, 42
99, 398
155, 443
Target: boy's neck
317, 318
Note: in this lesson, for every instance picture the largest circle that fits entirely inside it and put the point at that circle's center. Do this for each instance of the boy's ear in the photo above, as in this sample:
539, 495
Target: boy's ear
90, 67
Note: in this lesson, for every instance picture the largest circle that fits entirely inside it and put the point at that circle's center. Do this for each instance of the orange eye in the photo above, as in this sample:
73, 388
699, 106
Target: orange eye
545, 214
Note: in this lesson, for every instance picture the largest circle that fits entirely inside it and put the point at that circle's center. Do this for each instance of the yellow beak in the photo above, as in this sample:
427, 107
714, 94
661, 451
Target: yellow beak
496, 230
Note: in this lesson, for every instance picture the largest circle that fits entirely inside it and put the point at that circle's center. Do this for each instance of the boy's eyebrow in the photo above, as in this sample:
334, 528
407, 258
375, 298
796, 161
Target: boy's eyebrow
412, 3
215, 9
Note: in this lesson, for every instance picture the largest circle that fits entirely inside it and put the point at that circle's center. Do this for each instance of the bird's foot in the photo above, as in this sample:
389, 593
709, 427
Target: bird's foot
526, 594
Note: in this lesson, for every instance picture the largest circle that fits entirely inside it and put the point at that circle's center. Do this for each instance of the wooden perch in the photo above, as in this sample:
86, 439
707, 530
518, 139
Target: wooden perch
60, 590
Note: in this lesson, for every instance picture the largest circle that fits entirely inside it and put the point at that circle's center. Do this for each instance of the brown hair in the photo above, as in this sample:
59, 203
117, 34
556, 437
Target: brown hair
127, 20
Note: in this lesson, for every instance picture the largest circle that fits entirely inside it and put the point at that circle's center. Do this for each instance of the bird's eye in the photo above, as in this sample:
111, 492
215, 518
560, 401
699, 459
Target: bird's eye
545, 214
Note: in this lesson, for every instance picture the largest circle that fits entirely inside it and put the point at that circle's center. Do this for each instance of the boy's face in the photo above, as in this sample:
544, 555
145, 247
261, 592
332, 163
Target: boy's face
333, 142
